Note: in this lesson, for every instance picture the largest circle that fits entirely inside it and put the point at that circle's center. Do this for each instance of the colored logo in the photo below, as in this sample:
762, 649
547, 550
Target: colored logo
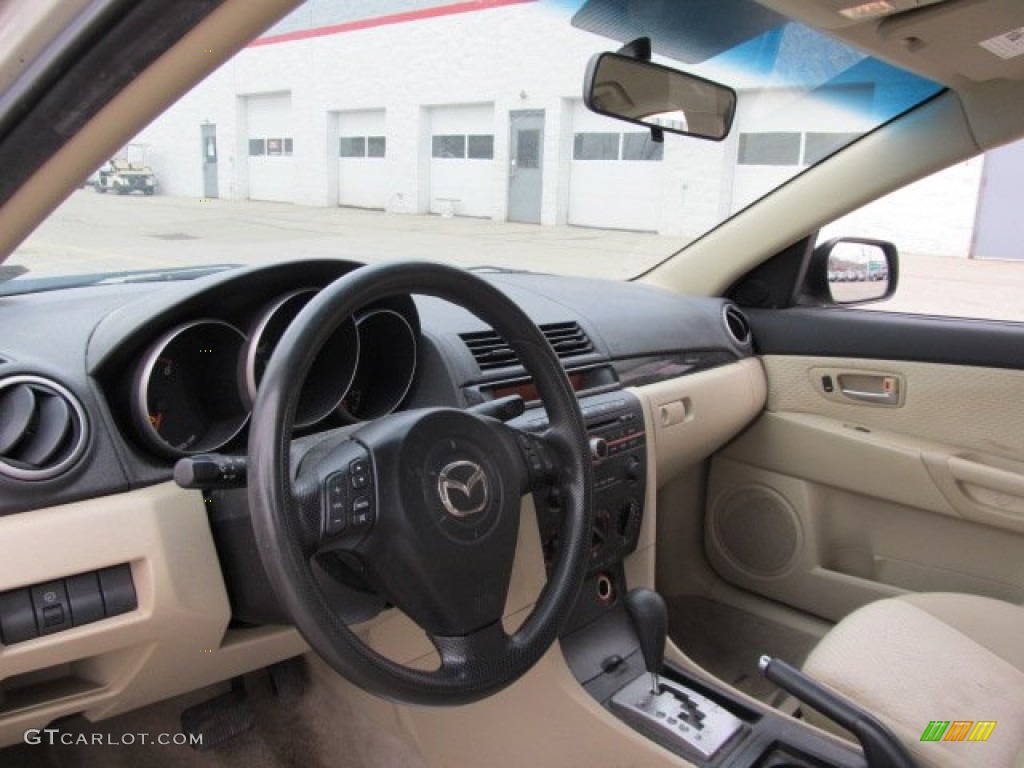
958, 730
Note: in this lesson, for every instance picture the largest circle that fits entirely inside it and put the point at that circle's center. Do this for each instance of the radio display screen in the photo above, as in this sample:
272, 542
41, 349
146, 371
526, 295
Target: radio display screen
528, 391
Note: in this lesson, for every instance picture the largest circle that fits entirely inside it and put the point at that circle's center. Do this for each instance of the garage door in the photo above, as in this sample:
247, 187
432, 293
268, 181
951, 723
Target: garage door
462, 169
268, 127
606, 155
362, 152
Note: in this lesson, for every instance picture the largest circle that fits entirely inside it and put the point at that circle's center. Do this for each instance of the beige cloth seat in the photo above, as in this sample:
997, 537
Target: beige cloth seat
913, 659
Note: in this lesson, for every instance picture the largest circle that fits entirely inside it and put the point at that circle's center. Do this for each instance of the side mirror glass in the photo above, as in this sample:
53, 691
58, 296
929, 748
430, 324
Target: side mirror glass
857, 270
658, 97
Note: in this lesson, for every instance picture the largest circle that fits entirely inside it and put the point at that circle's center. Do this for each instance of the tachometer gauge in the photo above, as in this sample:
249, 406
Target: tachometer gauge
386, 368
330, 375
184, 398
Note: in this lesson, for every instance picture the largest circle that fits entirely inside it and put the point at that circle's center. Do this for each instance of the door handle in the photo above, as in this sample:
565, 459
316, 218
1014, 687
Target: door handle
871, 397
874, 388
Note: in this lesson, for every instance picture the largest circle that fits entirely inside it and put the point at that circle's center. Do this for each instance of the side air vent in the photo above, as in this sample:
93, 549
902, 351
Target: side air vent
491, 351
43, 429
737, 325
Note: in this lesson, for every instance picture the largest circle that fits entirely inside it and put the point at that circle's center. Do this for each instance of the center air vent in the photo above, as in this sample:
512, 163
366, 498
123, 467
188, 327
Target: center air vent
491, 351
43, 430
737, 325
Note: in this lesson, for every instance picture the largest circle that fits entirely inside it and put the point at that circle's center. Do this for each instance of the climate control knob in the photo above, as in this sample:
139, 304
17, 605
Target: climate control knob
598, 448
633, 469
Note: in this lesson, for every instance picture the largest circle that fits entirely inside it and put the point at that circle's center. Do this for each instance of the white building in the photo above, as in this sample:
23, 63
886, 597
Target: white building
488, 130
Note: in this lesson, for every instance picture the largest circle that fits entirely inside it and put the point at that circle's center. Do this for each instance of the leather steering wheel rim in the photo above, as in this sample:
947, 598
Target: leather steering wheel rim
484, 660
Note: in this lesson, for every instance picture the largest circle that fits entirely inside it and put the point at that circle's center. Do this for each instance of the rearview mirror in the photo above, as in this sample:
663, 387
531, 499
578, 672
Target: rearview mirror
658, 97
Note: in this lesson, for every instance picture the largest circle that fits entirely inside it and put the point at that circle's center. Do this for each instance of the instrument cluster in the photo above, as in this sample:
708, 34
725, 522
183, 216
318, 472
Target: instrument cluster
194, 387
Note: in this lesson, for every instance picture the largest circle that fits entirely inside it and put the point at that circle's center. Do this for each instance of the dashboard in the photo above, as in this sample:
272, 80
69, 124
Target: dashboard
104, 387
124, 379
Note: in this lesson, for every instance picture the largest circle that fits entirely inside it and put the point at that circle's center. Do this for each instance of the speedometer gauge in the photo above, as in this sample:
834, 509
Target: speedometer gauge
184, 398
329, 376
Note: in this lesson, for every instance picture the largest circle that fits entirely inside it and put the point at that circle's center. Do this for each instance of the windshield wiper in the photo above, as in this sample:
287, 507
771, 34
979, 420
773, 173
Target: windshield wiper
496, 270
40, 284
162, 275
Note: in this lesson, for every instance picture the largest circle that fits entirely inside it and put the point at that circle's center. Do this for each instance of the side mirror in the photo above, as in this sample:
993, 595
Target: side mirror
658, 97
853, 270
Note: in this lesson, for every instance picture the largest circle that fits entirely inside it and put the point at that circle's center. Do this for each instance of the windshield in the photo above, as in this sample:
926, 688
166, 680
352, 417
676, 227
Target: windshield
456, 132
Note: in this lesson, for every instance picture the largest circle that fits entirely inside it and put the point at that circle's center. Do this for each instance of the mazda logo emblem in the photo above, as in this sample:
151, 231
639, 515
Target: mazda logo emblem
462, 486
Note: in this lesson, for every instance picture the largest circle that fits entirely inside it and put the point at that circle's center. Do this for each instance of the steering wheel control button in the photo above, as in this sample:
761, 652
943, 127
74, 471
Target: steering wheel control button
50, 601
362, 511
118, 590
85, 598
336, 517
17, 617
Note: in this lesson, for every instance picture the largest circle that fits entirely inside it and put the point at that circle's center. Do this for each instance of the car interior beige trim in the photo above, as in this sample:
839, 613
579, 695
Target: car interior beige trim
175, 641
694, 415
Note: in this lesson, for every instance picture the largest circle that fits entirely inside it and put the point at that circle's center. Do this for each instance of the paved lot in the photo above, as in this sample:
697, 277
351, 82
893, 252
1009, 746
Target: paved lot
95, 233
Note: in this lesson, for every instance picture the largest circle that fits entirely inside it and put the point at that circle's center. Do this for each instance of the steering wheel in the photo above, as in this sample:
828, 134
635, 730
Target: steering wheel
425, 502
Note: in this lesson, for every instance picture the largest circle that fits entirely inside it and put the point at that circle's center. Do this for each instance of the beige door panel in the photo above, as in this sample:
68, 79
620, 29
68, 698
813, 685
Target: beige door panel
975, 409
845, 455
982, 488
828, 550
828, 501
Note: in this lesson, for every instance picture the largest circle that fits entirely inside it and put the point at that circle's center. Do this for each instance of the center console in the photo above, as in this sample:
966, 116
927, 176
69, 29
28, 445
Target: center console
615, 428
611, 645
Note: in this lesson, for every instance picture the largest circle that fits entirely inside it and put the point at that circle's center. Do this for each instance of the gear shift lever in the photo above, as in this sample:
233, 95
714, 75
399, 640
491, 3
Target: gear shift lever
650, 622
677, 717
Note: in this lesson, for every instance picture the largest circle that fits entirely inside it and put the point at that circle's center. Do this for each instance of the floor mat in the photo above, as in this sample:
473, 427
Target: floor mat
314, 730
728, 642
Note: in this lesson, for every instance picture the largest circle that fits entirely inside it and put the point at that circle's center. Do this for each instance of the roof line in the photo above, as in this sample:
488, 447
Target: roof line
396, 18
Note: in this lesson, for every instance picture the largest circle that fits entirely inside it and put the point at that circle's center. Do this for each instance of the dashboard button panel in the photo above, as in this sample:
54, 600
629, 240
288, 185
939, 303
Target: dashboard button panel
58, 605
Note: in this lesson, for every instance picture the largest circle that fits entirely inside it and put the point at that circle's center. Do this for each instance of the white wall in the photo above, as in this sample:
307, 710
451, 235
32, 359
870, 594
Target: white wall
934, 216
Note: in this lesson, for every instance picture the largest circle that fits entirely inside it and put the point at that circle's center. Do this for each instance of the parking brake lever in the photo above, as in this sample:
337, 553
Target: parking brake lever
881, 748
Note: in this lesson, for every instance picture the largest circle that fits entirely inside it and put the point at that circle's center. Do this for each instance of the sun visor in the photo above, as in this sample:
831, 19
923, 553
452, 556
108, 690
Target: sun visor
690, 32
